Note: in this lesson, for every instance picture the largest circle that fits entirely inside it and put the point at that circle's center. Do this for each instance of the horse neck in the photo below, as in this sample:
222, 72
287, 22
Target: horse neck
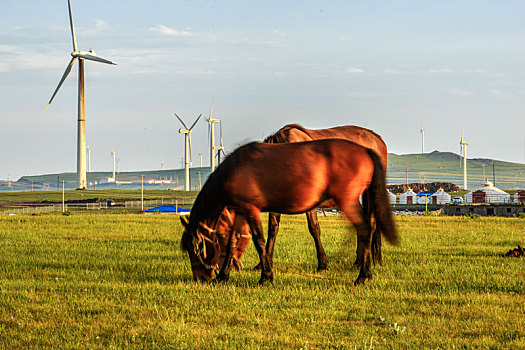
208, 205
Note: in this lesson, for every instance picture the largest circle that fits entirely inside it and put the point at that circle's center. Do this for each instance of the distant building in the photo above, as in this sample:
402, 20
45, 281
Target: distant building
487, 193
409, 197
440, 197
519, 197
424, 197
392, 197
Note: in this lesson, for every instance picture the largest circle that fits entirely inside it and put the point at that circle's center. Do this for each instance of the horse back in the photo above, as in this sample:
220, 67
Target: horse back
296, 177
362, 136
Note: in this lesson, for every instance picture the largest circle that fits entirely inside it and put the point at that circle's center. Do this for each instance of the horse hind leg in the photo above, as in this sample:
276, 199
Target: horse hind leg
315, 231
375, 235
354, 212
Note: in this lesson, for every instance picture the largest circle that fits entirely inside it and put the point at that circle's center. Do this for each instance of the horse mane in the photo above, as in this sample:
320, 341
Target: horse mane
212, 199
281, 135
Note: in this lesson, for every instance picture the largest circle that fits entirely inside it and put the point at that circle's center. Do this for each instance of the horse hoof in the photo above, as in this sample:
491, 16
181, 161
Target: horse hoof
361, 280
264, 281
221, 278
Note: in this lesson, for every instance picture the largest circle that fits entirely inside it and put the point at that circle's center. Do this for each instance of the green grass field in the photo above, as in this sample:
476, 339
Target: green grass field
121, 281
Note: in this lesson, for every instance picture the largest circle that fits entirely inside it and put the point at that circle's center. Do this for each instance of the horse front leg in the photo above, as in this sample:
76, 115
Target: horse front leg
253, 216
315, 231
224, 273
273, 228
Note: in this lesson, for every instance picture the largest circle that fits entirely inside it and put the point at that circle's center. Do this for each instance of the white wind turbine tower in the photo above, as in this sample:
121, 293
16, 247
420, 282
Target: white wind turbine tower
113, 155
212, 121
81, 136
463, 149
422, 141
162, 164
220, 148
187, 149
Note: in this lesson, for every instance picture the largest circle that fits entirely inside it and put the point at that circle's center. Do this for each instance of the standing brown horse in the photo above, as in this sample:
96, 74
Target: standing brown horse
364, 137
288, 178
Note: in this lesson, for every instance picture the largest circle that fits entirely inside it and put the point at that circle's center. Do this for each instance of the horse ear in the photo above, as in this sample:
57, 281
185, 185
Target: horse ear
206, 228
184, 221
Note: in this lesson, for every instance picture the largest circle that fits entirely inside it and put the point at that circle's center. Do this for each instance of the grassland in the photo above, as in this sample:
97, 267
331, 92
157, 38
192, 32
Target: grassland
117, 195
120, 281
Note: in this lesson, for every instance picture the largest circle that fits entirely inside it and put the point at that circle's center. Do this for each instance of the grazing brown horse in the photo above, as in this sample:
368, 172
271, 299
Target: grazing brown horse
364, 137
287, 178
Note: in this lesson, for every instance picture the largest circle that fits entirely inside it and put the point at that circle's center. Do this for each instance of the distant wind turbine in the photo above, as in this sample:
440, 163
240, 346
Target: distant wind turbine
81, 136
113, 155
211, 122
463, 149
220, 148
187, 149
422, 141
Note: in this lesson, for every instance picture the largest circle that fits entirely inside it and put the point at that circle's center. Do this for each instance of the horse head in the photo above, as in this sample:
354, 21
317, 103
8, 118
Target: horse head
203, 249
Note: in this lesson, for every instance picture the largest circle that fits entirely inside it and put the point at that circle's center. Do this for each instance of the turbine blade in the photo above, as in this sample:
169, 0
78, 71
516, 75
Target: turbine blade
94, 58
72, 26
199, 117
64, 76
180, 120
212, 103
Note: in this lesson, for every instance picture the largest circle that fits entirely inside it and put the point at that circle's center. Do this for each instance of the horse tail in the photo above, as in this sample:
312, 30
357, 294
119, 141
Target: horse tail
380, 202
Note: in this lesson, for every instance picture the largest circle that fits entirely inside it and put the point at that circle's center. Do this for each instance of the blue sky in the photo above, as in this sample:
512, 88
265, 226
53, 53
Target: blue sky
392, 66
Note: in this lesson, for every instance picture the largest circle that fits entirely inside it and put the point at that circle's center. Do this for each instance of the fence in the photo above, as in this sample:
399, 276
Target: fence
33, 210
157, 202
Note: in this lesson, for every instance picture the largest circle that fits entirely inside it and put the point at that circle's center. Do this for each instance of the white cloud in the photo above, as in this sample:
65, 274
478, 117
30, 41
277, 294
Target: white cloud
461, 92
442, 70
100, 24
393, 71
354, 70
278, 33
161, 29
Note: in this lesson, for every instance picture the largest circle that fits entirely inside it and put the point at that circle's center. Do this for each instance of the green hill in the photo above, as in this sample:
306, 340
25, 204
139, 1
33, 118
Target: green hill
423, 168
446, 167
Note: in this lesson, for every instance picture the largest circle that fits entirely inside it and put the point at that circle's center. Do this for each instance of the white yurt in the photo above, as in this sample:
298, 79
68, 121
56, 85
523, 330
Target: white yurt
487, 193
440, 197
423, 197
392, 197
409, 197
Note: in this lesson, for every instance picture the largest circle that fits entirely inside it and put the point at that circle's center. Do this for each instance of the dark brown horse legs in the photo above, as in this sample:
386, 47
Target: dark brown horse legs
363, 254
224, 273
376, 236
254, 219
315, 231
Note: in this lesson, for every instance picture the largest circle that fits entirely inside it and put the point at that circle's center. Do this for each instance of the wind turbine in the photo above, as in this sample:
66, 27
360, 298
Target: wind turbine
113, 155
162, 164
220, 148
81, 135
212, 121
187, 149
422, 141
463, 149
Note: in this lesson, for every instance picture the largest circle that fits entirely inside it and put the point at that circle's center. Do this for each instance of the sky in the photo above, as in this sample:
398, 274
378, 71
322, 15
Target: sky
392, 66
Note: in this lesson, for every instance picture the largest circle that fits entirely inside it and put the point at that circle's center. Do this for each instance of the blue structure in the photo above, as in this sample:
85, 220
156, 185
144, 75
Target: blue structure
167, 209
